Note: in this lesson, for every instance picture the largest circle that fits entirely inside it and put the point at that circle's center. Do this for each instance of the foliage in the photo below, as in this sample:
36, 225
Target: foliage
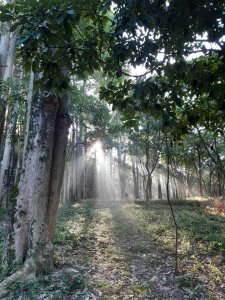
167, 38
175, 29
64, 37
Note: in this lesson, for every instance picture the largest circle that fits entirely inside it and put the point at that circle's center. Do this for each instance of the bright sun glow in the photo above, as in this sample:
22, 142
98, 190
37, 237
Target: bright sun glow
97, 146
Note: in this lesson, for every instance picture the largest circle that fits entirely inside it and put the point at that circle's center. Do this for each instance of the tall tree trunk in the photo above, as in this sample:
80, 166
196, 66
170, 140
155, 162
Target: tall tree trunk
31, 238
7, 155
134, 177
28, 114
149, 187
7, 50
63, 123
159, 189
200, 171
84, 173
121, 167
138, 180
7, 54
2, 121
4, 47
124, 177
135, 173
10, 57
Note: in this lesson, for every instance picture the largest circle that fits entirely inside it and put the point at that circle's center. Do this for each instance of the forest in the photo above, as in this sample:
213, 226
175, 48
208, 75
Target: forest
112, 149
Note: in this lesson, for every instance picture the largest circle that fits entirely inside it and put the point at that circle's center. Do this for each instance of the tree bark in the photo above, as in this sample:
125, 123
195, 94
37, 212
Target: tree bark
159, 189
135, 177
63, 121
2, 121
31, 238
28, 114
7, 155
7, 50
149, 187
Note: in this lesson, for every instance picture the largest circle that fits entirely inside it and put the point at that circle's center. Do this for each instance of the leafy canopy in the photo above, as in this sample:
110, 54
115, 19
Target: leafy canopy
59, 36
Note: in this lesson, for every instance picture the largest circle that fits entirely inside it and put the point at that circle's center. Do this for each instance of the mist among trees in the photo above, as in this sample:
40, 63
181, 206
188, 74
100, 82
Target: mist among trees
112, 149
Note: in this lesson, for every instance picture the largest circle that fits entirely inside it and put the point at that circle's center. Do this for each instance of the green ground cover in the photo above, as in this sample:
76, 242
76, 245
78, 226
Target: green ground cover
126, 251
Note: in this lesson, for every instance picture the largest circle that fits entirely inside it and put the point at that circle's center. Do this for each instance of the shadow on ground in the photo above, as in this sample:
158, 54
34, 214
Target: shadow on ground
126, 251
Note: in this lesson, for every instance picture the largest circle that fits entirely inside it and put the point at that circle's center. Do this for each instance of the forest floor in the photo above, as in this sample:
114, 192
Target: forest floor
126, 251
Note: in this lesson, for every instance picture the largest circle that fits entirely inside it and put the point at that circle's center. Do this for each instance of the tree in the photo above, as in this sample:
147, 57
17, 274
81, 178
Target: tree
64, 39
161, 36
147, 145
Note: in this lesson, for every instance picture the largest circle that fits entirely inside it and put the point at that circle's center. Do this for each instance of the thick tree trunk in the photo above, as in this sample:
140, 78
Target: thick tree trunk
63, 121
31, 237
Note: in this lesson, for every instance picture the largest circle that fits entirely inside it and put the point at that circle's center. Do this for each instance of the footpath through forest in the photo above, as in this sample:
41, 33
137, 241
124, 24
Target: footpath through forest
126, 251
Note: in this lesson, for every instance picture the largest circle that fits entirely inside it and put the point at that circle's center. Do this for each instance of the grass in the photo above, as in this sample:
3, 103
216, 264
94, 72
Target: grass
126, 251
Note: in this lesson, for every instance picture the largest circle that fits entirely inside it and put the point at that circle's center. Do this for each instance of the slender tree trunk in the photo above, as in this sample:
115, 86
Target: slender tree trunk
10, 57
138, 180
121, 168
159, 189
19, 156
149, 187
84, 173
73, 173
134, 178
7, 54
4, 47
2, 121
200, 172
124, 177
7, 155
28, 114
7, 50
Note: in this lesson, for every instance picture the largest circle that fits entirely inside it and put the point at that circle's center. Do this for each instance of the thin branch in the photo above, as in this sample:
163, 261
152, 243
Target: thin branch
136, 76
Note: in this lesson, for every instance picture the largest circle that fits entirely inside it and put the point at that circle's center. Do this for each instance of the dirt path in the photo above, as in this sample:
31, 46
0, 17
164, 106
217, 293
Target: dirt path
125, 251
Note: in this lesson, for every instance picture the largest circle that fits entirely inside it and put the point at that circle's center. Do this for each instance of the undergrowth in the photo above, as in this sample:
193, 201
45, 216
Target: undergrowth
126, 251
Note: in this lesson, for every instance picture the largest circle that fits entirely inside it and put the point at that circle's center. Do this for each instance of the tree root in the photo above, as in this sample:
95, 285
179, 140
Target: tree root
27, 272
